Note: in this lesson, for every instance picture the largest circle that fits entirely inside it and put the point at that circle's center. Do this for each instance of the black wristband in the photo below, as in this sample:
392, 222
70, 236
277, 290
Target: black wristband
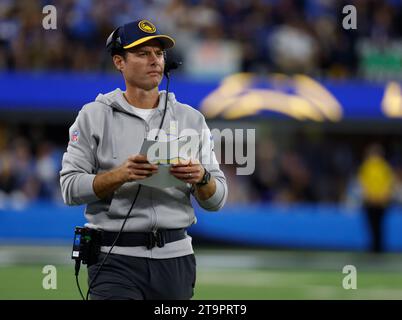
205, 178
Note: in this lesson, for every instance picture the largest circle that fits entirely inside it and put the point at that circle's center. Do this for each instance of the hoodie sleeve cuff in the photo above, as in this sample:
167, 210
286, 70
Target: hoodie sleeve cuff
216, 201
86, 191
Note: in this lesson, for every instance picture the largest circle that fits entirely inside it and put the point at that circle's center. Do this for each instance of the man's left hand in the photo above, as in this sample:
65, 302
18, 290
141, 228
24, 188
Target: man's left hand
190, 171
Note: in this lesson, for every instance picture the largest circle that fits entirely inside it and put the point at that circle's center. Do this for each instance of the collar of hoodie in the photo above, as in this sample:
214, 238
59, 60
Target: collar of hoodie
118, 103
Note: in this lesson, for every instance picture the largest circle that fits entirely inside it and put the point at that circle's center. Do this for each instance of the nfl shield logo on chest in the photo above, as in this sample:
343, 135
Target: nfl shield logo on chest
75, 135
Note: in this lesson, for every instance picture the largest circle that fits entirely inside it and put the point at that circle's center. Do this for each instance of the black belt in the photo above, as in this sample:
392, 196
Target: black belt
146, 239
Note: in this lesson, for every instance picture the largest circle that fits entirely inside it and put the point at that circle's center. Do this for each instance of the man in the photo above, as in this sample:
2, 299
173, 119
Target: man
153, 257
376, 179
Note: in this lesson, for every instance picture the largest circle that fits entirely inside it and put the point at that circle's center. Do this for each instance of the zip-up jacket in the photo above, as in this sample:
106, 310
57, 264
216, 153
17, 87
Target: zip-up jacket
105, 133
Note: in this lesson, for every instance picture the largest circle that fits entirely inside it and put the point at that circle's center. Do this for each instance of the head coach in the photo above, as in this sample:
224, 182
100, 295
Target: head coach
143, 229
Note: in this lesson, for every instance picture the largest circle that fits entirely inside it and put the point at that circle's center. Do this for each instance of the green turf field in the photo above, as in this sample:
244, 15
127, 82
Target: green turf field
260, 275
25, 282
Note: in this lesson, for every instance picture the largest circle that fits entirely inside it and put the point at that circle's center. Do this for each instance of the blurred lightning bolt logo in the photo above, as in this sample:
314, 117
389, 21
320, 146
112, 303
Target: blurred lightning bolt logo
392, 101
299, 97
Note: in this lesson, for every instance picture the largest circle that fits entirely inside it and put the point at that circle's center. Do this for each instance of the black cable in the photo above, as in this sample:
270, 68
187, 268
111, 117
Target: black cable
169, 65
114, 242
77, 271
166, 100
79, 288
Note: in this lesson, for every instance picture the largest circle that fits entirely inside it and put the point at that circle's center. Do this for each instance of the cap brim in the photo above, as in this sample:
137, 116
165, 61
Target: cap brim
167, 41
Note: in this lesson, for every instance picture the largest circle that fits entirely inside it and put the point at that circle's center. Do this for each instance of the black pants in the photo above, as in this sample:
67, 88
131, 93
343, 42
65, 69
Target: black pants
133, 278
375, 215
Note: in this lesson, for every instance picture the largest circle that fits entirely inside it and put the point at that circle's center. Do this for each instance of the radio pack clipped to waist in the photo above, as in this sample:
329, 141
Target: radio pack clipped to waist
86, 244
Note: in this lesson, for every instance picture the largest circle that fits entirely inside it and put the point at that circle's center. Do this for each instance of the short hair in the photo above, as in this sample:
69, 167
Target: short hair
120, 52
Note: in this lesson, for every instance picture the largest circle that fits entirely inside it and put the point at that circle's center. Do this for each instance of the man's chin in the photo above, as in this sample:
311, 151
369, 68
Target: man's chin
149, 85
152, 85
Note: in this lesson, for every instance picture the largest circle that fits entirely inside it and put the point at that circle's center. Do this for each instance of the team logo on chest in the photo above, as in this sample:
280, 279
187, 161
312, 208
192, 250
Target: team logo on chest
75, 135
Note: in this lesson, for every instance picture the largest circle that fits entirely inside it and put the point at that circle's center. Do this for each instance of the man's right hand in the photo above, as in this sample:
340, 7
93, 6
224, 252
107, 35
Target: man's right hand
134, 168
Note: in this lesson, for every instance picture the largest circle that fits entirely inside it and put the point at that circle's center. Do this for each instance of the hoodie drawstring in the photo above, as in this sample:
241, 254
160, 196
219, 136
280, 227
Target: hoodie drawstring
113, 134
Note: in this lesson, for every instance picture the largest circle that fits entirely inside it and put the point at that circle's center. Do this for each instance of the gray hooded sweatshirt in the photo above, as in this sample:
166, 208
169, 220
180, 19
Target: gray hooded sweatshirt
105, 133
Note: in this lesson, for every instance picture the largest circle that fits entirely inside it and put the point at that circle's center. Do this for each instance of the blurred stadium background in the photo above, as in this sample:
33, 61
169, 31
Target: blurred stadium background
318, 96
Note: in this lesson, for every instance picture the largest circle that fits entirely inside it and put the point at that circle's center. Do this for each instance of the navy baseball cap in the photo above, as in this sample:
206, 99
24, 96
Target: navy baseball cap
137, 32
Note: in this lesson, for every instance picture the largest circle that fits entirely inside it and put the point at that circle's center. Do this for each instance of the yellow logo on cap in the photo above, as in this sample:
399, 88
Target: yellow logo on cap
146, 26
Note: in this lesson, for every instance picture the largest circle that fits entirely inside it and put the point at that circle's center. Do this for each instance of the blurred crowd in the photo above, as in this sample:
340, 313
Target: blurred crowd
271, 35
318, 169
29, 168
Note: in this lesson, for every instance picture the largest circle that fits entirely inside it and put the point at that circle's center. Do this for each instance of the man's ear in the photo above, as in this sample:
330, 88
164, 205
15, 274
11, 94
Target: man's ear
118, 62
